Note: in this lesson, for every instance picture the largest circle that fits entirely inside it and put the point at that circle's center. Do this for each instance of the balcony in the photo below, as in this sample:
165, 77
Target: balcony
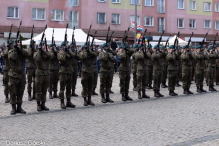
72, 24
160, 28
160, 9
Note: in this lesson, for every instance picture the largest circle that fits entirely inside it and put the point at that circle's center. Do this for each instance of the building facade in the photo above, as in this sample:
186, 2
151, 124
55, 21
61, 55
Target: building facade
199, 16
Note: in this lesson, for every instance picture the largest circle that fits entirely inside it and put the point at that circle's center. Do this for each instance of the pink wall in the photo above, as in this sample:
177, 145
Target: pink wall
25, 11
89, 12
174, 13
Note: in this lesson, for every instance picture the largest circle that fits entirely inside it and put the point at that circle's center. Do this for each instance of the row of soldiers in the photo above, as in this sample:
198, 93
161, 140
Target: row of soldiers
48, 67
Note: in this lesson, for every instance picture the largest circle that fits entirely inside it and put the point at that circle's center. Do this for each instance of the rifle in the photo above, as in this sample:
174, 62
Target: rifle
66, 39
149, 40
88, 36
18, 34
41, 41
9, 37
31, 41
213, 48
189, 41
143, 41
107, 36
93, 39
46, 44
175, 41
158, 46
125, 36
73, 35
111, 36
53, 39
204, 40
167, 41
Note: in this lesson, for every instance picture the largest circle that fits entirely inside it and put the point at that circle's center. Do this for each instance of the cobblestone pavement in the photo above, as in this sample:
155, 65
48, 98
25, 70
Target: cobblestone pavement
173, 121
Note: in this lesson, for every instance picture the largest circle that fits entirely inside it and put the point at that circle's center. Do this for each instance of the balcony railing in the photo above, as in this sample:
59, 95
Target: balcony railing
160, 9
72, 24
160, 28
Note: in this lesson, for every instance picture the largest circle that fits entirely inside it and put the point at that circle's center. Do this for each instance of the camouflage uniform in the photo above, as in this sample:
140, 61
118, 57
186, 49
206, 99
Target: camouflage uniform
149, 72
106, 60
217, 72
65, 72
211, 69
42, 78
31, 69
178, 67
95, 71
142, 59
172, 72
134, 71
75, 72
6, 68
164, 66
124, 73
113, 52
200, 58
87, 75
17, 58
157, 72
186, 58
54, 74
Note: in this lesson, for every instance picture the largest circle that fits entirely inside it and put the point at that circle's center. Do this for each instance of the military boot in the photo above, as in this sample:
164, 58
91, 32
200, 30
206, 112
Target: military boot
139, 95
123, 97
39, 108
7, 100
199, 90
111, 91
161, 95
156, 94
103, 100
201, 87
214, 89
50, 95
211, 88
189, 91
127, 97
55, 95
164, 85
62, 104
175, 93
13, 111
69, 104
135, 88
93, 92
185, 92
85, 101
43, 106
108, 98
177, 84
171, 93
19, 109
74, 94
89, 101
150, 87
144, 95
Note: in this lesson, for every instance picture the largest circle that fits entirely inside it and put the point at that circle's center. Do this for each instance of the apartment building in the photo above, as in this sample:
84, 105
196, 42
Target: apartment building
172, 16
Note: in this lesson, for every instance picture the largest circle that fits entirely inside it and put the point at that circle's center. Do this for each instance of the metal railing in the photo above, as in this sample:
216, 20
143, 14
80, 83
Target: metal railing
160, 9
160, 28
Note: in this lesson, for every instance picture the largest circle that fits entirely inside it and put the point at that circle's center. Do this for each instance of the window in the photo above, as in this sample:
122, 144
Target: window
217, 25
149, 21
73, 19
132, 2
161, 24
115, 19
101, 17
132, 18
160, 6
101, 1
38, 14
192, 23
57, 15
207, 6
192, 5
149, 2
115, 1
180, 4
180, 23
207, 24
13, 12
73, 2
216, 7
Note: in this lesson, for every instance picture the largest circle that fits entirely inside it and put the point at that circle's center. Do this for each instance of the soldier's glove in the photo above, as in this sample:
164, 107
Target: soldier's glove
109, 57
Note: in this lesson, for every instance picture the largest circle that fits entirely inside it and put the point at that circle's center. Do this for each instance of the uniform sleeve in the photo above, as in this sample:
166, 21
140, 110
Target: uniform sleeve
148, 55
139, 55
49, 54
83, 55
37, 56
25, 52
170, 57
112, 58
184, 56
103, 57
72, 54
155, 56
121, 55
61, 56
12, 54
93, 54
113, 52
5, 53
